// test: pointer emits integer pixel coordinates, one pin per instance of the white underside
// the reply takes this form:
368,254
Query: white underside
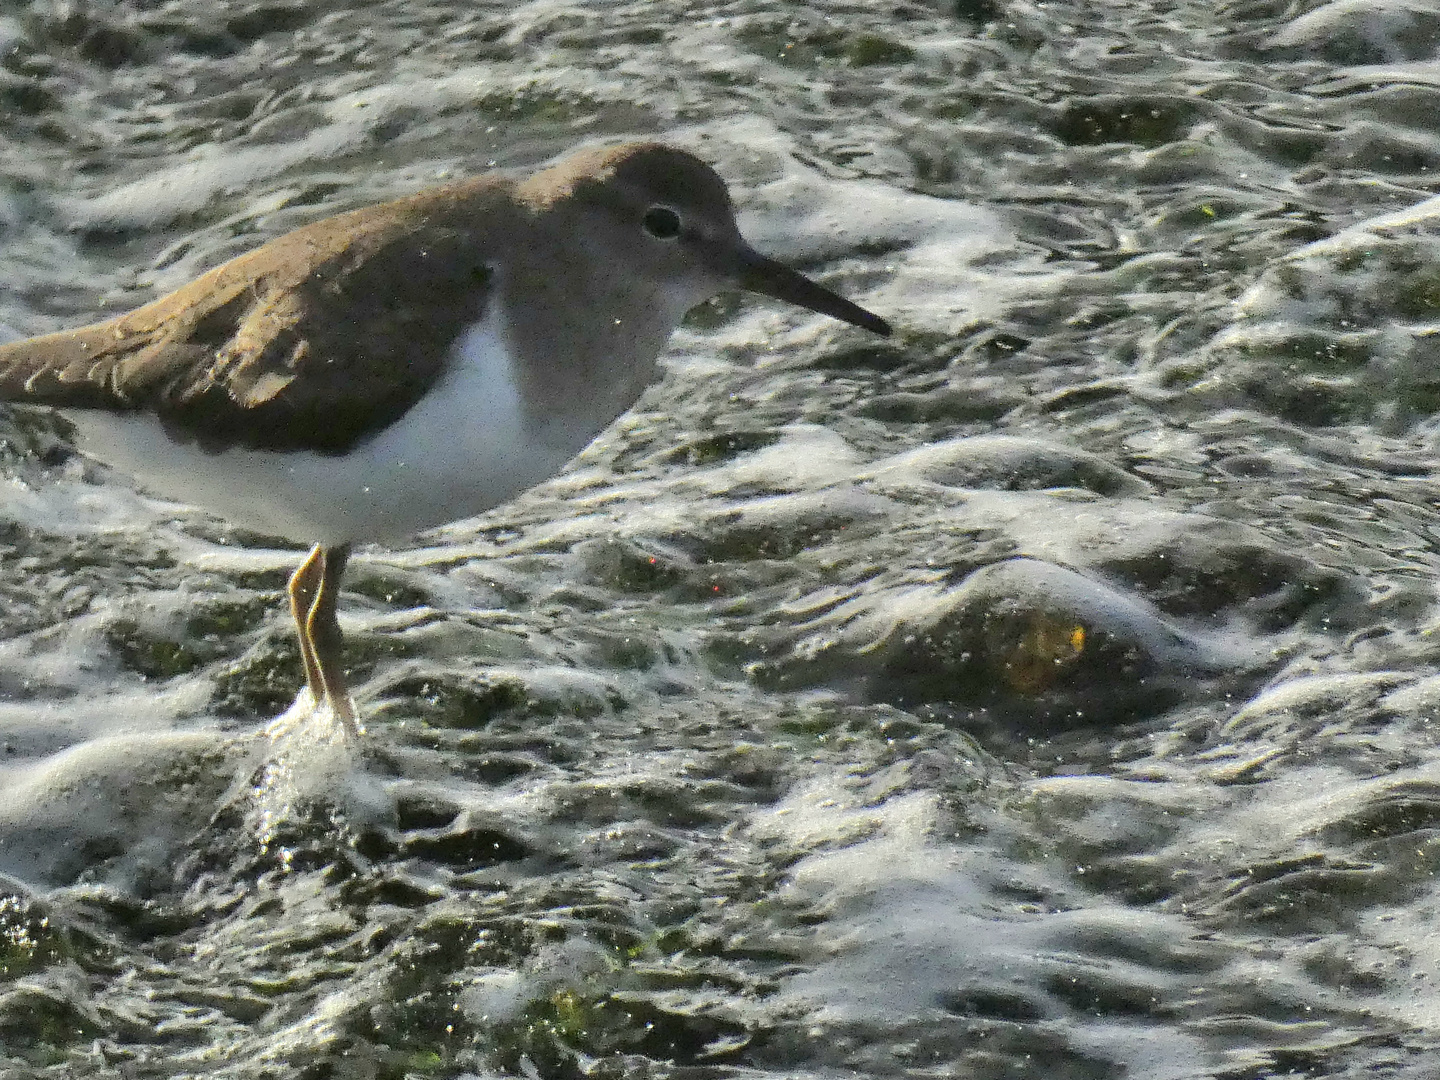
462,449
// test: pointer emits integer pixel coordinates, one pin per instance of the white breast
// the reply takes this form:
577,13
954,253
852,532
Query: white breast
463,448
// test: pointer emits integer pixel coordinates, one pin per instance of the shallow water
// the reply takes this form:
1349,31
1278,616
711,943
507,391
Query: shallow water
1045,692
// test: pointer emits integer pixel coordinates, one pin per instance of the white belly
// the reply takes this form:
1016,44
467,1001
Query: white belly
462,449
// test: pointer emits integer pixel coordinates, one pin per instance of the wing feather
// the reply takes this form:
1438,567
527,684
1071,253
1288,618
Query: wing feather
311,342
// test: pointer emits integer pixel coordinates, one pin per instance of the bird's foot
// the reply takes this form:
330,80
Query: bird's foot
344,711
319,722
300,711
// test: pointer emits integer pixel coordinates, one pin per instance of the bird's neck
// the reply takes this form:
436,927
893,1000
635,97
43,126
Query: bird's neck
585,341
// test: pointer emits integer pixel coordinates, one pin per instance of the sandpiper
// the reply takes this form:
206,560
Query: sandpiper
404,365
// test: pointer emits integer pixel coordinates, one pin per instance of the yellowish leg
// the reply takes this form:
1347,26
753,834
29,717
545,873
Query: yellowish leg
304,585
326,642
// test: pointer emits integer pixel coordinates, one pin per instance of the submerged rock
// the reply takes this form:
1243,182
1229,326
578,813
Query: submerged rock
1033,639
1025,632
113,807
1010,463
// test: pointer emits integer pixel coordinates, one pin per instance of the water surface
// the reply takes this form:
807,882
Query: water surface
1045,692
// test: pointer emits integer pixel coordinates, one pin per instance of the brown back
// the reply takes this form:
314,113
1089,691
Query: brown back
310,341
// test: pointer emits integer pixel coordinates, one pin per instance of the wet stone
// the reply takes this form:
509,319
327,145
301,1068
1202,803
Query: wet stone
468,847
1010,463
1022,629
1037,639
465,703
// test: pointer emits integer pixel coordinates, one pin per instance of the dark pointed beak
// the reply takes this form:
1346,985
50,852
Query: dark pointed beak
758,274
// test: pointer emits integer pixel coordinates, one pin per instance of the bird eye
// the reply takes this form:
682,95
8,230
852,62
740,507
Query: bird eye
662,223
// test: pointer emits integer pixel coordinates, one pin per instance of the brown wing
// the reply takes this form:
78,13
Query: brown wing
310,342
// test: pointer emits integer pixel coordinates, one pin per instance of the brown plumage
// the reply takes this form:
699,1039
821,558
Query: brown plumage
253,352
396,367
333,331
